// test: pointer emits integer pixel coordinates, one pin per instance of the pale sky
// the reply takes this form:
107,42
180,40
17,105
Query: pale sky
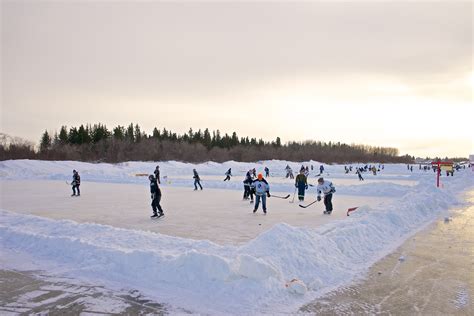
382,73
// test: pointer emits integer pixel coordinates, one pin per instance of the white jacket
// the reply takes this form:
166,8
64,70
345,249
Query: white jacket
326,188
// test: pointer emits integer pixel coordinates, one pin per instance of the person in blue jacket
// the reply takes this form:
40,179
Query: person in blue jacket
262,191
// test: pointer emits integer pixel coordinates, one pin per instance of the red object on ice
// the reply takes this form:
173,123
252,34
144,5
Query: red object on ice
438,164
352,209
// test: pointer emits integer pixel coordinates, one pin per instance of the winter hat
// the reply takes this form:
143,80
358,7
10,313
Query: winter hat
260,176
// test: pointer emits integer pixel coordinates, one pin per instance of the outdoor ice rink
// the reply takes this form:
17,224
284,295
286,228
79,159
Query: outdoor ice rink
210,253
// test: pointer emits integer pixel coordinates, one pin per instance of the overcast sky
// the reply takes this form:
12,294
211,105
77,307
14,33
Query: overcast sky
395,74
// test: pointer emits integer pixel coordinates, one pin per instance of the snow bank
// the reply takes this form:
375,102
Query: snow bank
179,174
252,278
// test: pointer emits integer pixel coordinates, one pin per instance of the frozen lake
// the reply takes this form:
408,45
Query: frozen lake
210,254
214,214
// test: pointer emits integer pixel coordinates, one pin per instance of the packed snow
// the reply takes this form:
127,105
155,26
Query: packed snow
291,258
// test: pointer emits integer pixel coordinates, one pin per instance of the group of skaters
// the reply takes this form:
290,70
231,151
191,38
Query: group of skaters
305,169
367,168
254,184
449,171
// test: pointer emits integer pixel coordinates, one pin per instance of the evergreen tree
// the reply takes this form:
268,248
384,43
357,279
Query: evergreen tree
63,137
119,132
45,143
234,140
99,132
165,134
83,135
129,133
278,142
73,136
156,133
207,140
138,134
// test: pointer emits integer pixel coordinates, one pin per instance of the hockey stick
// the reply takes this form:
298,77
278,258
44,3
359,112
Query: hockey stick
305,206
293,199
281,197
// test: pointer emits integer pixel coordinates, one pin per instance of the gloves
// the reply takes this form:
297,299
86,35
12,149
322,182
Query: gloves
153,196
318,198
306,187
268,194
333,190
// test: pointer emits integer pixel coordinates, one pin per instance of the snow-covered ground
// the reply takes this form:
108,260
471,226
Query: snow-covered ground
210,254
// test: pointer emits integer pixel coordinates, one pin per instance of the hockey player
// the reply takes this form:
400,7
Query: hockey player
289,172
359,174
228,174
321,169
301,183
267,172
76,182
197,180
262,191
155,197
248,192
157,174
325,187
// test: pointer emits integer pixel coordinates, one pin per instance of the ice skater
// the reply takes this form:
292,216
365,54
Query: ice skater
248,192
197,180
262,191
267,172
76,182
301,183
155,197
289,172
228,174
157,174
326,187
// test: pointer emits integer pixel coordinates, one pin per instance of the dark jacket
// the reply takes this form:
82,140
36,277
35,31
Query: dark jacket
301,180
76,179
157,175
154,188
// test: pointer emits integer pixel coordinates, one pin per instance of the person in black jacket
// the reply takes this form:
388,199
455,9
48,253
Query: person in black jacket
155,197
248,192
76,182
157,174
228,174
197,180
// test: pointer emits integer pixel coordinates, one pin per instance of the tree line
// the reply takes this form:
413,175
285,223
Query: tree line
130,143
